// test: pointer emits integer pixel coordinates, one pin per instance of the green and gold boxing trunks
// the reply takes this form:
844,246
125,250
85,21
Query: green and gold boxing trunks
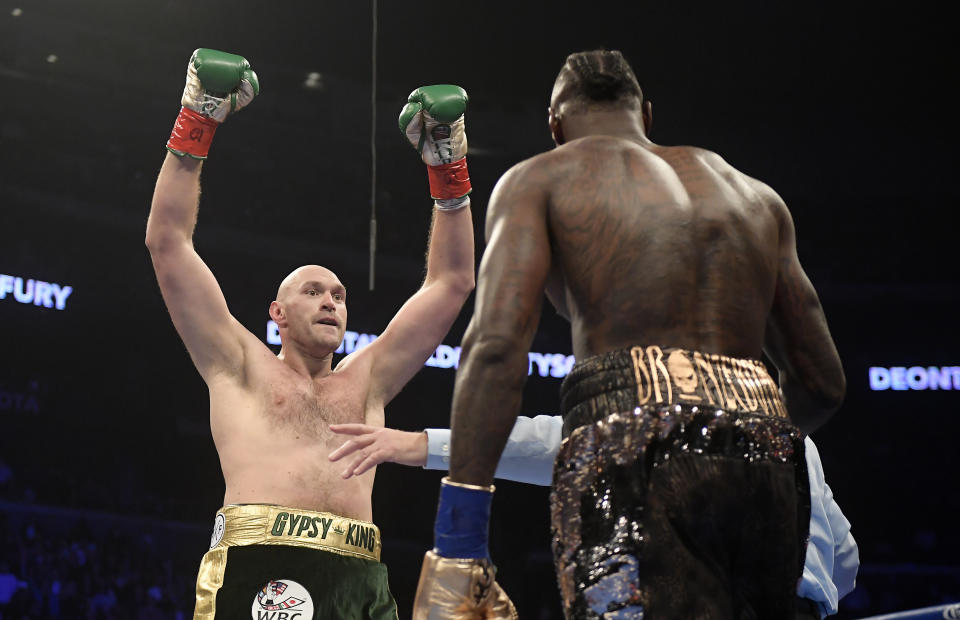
274,563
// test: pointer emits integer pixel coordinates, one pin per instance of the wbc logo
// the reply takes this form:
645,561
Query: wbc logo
219,527
282,599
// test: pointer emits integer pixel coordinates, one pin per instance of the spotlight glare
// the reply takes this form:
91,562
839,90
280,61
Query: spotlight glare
314,81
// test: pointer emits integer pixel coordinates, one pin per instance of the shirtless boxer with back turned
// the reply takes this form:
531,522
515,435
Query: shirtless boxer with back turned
680,489
293,535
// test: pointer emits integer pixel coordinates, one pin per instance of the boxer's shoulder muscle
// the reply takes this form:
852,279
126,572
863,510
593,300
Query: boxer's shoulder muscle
618,207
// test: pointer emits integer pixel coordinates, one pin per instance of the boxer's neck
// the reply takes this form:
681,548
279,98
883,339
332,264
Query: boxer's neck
305,363
620,123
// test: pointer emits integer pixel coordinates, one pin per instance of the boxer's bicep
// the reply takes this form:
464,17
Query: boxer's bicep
797,337
413,335
421,325
190,291
509,297
198,309
516,263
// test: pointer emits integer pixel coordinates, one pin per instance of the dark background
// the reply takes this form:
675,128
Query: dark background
846,109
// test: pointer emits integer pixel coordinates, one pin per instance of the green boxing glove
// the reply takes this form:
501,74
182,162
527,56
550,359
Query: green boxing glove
432,122
218,83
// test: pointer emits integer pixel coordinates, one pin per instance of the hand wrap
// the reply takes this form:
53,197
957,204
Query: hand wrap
192,134
218,84
463,520
458,580
433,123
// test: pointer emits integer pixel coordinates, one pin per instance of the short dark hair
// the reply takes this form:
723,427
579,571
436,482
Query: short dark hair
598,77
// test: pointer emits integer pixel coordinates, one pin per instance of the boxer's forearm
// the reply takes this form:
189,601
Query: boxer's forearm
173,212
486,402
450,256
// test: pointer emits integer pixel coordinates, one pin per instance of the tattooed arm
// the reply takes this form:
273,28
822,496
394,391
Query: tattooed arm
510,289
798,340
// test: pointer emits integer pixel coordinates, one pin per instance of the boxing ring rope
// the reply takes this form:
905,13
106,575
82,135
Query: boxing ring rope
373,146
951,611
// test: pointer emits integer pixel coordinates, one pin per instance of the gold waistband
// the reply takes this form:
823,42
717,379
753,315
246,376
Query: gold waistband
670,375
265,524
644,376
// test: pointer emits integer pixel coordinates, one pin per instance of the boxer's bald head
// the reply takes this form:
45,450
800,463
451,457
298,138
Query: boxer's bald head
300,274
311,309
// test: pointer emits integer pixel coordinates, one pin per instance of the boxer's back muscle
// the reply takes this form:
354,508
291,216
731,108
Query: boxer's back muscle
661,245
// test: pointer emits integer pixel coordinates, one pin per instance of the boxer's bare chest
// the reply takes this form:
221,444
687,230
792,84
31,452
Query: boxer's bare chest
291,403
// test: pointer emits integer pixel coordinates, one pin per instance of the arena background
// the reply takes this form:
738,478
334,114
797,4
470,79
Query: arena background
108,475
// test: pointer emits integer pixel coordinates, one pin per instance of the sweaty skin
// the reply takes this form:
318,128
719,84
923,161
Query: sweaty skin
269,414
634,243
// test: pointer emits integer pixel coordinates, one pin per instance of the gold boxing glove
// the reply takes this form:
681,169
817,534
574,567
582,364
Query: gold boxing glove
460,589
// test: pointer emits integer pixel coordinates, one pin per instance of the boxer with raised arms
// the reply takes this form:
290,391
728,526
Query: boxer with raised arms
293,537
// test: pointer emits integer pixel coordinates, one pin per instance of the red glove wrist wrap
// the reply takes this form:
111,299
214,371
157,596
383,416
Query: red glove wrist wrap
449,180
192,134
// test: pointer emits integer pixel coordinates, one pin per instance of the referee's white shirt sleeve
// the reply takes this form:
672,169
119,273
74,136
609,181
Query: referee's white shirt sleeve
527,457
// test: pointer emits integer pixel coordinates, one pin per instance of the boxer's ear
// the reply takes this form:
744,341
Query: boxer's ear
276,313
556,129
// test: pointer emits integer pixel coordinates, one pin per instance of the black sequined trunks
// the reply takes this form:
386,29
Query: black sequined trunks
680,490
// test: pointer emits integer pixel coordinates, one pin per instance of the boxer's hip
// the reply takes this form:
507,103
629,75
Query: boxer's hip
649,376
265,558
668,448
267,524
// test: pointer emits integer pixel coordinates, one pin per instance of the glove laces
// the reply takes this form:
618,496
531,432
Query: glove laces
442,147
